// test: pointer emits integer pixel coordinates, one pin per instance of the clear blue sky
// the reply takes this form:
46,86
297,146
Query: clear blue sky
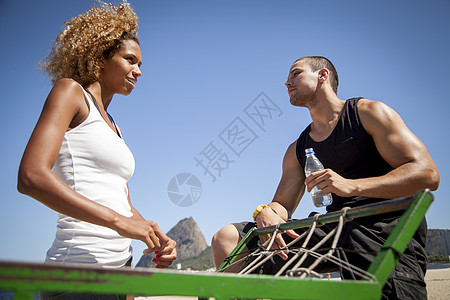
205,64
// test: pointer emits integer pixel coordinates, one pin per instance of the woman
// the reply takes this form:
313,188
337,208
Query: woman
76,161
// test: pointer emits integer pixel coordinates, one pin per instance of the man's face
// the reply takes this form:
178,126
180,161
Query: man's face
301,83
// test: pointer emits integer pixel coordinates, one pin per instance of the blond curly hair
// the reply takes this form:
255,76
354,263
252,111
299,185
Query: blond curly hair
87,39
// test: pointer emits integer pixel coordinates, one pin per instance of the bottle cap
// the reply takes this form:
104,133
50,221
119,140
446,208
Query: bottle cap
309,151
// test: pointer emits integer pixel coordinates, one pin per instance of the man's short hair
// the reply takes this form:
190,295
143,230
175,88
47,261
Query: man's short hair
319,62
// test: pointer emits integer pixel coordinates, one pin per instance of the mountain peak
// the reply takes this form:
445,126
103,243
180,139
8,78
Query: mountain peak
189,238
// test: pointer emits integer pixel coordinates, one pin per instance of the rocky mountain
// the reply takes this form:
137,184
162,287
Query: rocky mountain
203,261
438,242
191,247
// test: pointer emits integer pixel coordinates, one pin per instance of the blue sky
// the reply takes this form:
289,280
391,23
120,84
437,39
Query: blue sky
206,66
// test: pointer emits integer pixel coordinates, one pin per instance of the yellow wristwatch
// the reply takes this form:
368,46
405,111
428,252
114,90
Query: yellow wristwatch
258,210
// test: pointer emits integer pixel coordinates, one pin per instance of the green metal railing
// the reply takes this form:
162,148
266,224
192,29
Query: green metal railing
27,278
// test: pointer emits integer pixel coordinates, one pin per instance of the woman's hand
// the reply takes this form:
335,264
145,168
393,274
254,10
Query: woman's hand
146,231
165,257
150,233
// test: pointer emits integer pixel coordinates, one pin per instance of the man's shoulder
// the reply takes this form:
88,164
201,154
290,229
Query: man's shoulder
368,104
372,107
375,114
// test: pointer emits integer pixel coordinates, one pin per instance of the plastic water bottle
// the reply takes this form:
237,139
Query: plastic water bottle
313,164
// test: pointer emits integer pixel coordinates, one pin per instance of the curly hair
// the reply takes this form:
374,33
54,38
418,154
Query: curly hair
87,39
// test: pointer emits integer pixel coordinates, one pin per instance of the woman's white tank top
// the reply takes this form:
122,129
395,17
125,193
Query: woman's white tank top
96,163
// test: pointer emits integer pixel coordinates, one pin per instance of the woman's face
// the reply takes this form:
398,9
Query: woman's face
119,73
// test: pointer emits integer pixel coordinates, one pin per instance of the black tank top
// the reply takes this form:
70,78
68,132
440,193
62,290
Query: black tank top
349,151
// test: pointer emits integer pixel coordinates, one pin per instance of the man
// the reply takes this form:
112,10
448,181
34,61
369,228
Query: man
369,155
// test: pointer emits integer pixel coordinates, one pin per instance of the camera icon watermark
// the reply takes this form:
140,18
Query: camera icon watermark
184,189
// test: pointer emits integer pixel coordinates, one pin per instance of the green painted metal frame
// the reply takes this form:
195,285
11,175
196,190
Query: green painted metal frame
26,278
